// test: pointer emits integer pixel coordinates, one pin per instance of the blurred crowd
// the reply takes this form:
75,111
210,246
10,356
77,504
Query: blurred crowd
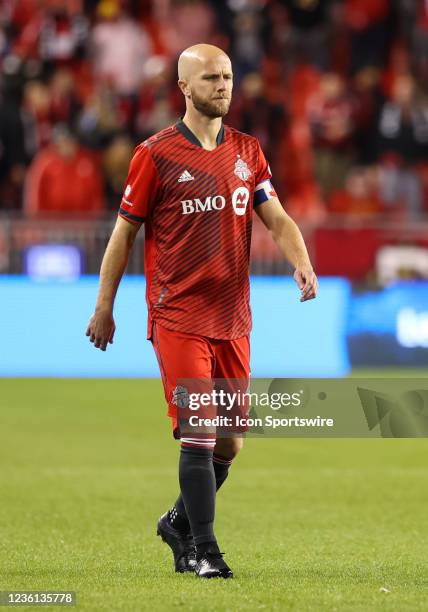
336,92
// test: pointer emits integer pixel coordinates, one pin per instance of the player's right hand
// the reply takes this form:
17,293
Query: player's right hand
101,328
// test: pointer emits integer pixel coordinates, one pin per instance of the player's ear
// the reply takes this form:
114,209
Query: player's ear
185,88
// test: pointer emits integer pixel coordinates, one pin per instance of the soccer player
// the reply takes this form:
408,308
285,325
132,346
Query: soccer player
194,185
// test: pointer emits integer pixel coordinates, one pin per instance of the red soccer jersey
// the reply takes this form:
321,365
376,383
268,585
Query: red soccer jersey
197,206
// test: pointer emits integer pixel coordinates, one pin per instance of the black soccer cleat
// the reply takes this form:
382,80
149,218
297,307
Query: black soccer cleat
211,565
181,544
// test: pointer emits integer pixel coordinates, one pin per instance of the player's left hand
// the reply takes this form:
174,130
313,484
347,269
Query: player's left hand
307,282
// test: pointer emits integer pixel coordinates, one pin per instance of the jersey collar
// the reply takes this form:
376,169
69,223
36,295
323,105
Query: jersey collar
187,133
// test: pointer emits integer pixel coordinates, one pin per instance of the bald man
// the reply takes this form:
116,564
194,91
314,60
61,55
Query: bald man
194,185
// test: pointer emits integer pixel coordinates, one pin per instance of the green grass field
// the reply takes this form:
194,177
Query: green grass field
87,466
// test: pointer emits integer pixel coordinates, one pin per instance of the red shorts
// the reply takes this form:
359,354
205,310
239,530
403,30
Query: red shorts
187,356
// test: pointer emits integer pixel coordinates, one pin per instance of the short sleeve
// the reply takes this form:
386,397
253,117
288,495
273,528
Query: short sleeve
142,187
263,186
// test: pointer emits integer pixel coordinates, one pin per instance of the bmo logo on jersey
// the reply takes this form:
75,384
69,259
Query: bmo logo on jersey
240,199
217,202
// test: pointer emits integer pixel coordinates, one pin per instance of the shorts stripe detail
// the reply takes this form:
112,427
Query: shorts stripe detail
199,440
197,443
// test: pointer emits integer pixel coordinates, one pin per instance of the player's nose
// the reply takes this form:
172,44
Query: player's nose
221,84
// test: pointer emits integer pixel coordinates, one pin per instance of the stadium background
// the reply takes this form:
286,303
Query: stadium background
336,92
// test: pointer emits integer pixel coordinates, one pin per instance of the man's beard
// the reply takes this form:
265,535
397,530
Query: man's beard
211,108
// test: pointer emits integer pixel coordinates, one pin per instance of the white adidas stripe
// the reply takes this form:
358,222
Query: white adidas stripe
197,442
199,439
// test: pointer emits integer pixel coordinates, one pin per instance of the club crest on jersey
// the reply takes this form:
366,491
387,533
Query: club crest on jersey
240,199
242,171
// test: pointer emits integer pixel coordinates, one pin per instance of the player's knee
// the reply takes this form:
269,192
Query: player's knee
228,447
